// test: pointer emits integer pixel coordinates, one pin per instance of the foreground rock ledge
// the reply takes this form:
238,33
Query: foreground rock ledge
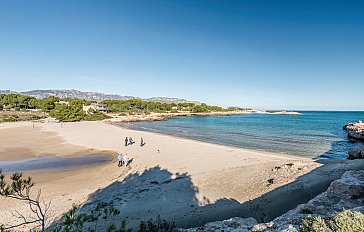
344,193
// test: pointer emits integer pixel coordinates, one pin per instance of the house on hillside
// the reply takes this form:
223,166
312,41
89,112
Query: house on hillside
95,106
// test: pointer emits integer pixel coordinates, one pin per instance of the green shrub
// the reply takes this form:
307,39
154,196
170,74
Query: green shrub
100,218
157,226
345,221
314,224
348,221
95,116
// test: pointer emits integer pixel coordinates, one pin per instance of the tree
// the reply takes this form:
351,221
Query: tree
68,113
100,218
19,189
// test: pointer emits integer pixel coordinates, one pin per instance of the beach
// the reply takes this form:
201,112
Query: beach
187,181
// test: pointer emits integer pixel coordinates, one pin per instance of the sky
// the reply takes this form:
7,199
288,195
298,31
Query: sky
290,54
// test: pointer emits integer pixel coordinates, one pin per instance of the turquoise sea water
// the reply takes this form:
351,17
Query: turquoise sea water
314,133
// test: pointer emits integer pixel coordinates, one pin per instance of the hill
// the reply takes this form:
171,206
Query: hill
92,96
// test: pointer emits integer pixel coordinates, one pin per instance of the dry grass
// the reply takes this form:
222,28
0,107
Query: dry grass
15,116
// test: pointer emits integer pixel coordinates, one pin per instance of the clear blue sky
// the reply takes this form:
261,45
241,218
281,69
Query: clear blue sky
289,54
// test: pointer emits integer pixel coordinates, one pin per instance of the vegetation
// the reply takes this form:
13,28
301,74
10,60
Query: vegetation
98,219
103,217
19,189
70,110
17,107
17,102
158,225
20,116
345,221
67,113
138,106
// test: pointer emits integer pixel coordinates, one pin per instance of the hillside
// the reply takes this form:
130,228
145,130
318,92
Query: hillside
92,96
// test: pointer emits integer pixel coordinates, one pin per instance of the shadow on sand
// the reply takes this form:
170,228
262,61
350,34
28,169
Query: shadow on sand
157,191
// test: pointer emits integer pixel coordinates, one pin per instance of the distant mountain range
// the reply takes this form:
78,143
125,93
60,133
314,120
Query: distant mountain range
92,96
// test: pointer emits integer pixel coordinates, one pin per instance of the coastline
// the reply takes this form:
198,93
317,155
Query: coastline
118,118
124,125
193,176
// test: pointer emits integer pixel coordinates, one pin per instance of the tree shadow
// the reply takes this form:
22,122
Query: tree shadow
173,196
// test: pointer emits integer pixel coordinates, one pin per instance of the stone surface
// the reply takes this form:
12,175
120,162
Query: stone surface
356,154
231,225
355,130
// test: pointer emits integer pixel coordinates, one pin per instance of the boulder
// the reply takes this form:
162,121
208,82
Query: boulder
356,154
355,130
235,224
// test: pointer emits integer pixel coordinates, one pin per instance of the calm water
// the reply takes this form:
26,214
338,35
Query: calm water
44,163
315,133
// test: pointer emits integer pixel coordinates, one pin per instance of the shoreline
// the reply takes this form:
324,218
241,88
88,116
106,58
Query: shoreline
118,117
213,143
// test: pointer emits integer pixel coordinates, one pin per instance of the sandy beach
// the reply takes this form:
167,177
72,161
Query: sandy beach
188,181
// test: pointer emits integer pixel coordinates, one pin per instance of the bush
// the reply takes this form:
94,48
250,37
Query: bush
348,221
68,113
95,116
345,221
99,218
157,226
314,224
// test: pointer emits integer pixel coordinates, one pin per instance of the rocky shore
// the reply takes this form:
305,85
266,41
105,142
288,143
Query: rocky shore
344,193
356,154
116,118
355,130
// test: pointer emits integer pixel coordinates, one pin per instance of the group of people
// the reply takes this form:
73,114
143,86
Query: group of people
130,141
123,159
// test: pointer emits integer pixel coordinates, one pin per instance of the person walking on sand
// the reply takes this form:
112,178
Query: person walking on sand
130,141
126,141
120,159
141,141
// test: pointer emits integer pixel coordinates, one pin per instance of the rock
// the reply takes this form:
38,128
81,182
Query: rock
356,154
231,225
355,130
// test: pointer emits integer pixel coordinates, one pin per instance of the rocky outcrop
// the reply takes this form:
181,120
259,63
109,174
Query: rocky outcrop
356,154
355,130
233,224
344,193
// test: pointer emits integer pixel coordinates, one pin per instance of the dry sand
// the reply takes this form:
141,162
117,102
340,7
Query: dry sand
190,182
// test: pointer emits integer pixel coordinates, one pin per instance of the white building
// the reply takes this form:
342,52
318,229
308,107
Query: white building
95,106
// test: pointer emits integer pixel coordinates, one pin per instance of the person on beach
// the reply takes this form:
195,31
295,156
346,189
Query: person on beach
131,141
141,141
126,141
120,159
127,161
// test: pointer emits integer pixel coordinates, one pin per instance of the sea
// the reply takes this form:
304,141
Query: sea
317,134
